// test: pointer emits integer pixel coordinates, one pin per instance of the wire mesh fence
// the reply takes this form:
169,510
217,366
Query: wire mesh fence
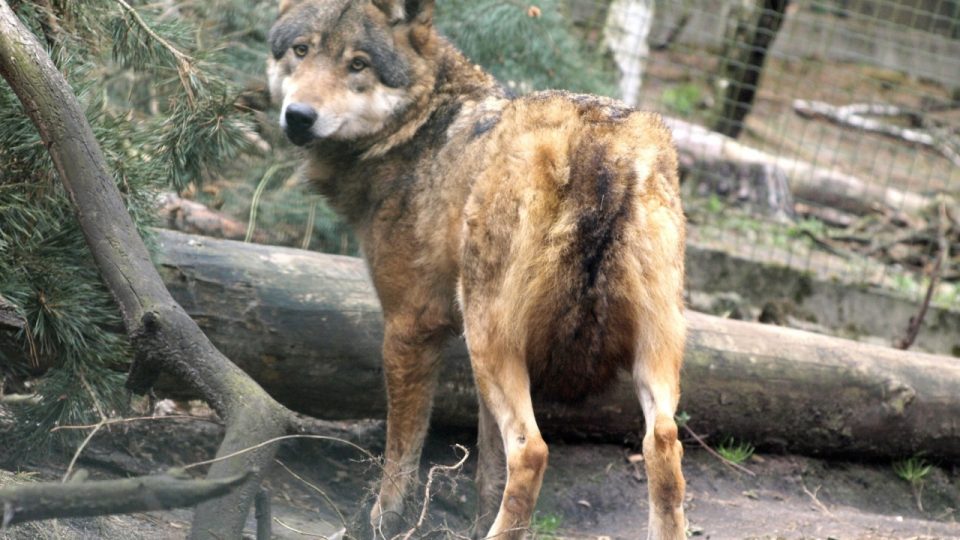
821,134
842,100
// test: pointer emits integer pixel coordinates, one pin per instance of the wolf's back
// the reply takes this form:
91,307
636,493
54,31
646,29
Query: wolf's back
579,202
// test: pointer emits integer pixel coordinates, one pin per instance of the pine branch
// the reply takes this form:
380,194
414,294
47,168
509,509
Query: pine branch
184,62
163,335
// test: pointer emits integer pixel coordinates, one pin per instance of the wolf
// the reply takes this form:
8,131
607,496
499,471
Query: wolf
547,229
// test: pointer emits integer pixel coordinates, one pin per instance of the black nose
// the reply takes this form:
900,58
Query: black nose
300,118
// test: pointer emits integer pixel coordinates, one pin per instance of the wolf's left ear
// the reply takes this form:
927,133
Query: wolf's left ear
409,11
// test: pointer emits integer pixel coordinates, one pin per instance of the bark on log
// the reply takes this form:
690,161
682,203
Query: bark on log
308,327
702,150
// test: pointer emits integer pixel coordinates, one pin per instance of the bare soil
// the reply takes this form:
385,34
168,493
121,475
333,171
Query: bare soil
591,489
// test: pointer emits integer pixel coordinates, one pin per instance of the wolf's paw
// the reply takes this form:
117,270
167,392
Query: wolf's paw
385,524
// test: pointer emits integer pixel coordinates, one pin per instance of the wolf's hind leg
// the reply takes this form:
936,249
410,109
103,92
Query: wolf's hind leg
491,471
410,364
504,386
657,376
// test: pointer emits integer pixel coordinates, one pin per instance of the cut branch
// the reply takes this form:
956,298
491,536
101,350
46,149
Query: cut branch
165,338
916,322
51,500
856,116
192,217
702,150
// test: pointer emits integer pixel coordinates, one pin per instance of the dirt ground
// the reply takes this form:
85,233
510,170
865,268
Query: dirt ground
591,490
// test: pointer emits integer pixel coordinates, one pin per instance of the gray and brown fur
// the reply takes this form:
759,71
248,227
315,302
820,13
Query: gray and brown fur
546,228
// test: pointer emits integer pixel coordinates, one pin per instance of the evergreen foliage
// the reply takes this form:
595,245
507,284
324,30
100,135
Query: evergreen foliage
163,115
526,48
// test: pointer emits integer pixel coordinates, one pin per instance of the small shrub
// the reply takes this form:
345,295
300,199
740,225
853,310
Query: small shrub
913,470
546,525
682,99
734,452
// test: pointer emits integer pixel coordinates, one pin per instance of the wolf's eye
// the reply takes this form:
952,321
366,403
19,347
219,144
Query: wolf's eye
358,64
300,50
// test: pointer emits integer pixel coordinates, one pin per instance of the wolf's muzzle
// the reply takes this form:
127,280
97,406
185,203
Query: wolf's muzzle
299,119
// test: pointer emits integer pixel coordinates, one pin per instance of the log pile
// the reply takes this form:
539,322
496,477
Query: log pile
912,243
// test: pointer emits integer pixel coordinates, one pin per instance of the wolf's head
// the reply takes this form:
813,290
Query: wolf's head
345,69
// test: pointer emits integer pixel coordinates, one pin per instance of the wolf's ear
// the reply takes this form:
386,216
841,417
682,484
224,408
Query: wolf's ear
409,11
287,4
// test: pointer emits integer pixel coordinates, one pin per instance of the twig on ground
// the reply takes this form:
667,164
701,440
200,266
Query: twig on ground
264,514
714,453
856,115
343,520
103,421
913,329
268,442
51,500
113,421
336,536
813,497
918,494
426,492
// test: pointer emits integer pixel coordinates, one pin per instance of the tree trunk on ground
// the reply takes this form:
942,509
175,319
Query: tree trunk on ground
755,25
308,327
163,335
703,152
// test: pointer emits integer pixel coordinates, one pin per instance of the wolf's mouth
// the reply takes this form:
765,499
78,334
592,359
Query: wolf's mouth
298,137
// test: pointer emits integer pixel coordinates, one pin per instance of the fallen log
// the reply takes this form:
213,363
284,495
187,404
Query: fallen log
308,327
702,151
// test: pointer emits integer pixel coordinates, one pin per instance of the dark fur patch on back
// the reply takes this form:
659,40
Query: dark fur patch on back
587,335
484,125
433,133
597,225
393,70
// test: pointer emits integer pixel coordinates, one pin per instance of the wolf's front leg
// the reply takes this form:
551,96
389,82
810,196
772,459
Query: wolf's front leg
410,360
